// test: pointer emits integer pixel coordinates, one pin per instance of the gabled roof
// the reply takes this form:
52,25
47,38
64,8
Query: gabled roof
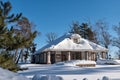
65,43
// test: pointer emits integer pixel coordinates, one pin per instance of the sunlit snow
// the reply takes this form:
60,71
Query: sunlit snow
71,72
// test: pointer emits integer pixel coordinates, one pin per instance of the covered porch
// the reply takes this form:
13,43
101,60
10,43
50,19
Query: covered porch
51,57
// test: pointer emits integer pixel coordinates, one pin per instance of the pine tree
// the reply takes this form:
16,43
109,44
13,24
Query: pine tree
84,30
75,28
6,18
13,38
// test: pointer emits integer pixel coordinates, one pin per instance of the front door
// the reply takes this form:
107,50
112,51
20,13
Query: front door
52,58
64,56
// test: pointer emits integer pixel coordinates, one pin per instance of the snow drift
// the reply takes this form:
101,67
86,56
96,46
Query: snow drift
54,77
106,61
75,62
47,77
8,75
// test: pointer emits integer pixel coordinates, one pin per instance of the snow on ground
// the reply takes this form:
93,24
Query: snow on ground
108,61
66,70
70,72
8,75
75,62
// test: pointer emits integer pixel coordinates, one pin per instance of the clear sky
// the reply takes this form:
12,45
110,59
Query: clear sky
57,15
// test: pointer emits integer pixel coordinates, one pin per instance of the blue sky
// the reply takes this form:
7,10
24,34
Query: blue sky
57,15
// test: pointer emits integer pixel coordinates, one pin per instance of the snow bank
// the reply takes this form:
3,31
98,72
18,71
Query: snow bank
101,61
75,62
7,75
54,77
71,65
63,64
105,78
46,77
105,61
26,65
72,72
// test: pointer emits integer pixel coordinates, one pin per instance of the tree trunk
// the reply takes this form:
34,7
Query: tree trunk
16,54
19,56
107,52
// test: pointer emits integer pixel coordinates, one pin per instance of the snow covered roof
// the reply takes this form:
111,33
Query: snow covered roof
66,43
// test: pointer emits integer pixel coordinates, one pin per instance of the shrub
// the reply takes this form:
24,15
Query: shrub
6,62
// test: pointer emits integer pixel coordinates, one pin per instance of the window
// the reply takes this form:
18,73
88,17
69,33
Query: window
75,40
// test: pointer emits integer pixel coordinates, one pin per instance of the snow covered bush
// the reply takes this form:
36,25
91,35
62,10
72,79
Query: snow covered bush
46,77
37,77
105,78
85,79
74,79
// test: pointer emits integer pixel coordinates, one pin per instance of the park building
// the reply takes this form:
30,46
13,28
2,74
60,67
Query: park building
69,47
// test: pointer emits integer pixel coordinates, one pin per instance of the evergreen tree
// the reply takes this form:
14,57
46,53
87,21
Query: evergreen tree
75,28
6,18
84,30
6,36
17,37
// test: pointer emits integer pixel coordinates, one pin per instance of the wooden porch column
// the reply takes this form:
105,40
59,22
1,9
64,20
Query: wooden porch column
48,58
44,59
83,55
102,55
94,56
69,57
89,55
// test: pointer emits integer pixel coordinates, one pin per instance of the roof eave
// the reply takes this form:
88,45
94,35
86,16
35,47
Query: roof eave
47,50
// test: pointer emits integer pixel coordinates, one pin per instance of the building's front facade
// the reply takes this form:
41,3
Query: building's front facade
69,47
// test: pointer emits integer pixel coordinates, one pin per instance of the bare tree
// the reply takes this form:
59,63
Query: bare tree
103,35
118,54
51,37
116,40
24,36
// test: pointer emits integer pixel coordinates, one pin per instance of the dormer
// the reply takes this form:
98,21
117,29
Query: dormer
75,38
